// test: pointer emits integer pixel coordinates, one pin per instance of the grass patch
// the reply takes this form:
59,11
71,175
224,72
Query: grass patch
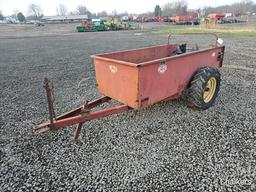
223,31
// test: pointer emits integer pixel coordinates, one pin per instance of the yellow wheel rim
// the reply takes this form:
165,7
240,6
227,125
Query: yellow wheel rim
210,89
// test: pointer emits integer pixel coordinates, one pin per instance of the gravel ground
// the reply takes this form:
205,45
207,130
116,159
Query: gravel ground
165,147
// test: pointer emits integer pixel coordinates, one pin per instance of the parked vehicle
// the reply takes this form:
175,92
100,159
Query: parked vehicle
231,20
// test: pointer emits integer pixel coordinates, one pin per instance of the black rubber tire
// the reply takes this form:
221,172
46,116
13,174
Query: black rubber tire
197,87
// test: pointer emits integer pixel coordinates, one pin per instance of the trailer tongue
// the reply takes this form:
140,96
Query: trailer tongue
77,116
141,77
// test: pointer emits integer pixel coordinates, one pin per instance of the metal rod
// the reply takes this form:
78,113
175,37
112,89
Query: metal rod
212,34
77,131
77,116
49,99
87,117
78,110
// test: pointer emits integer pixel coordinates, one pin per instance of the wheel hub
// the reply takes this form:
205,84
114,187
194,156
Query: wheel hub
210,89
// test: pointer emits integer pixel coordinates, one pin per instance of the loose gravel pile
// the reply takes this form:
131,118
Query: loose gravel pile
165,147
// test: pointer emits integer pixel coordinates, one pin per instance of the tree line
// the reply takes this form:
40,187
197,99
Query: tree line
35,12
236,9
179,7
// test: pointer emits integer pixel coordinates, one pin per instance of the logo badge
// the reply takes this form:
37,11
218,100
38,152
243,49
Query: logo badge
113,68
162,68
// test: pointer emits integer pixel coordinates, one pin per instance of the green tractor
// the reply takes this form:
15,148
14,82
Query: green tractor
91,25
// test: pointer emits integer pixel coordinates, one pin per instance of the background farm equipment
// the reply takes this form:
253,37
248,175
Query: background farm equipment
85,26
142,77
182,20
186,20
113,24
91,25
104,24
217,17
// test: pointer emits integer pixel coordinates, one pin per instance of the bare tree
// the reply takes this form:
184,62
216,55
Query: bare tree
102,14
15,12
168,10
82,10
181,7
175,8
72,13
199,13
35,10
235,8
114,13
147,14
125,13
61,10
1,16
254,8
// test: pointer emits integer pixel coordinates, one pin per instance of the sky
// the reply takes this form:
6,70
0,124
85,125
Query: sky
7,7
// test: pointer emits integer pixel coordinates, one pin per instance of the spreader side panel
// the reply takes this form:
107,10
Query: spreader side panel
117,81
167,78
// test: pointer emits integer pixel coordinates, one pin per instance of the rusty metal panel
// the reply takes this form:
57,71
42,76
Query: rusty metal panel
168,77
157,77
140,55
117,73
117,81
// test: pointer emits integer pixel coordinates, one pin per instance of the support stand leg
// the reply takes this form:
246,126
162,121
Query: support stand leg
77,131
